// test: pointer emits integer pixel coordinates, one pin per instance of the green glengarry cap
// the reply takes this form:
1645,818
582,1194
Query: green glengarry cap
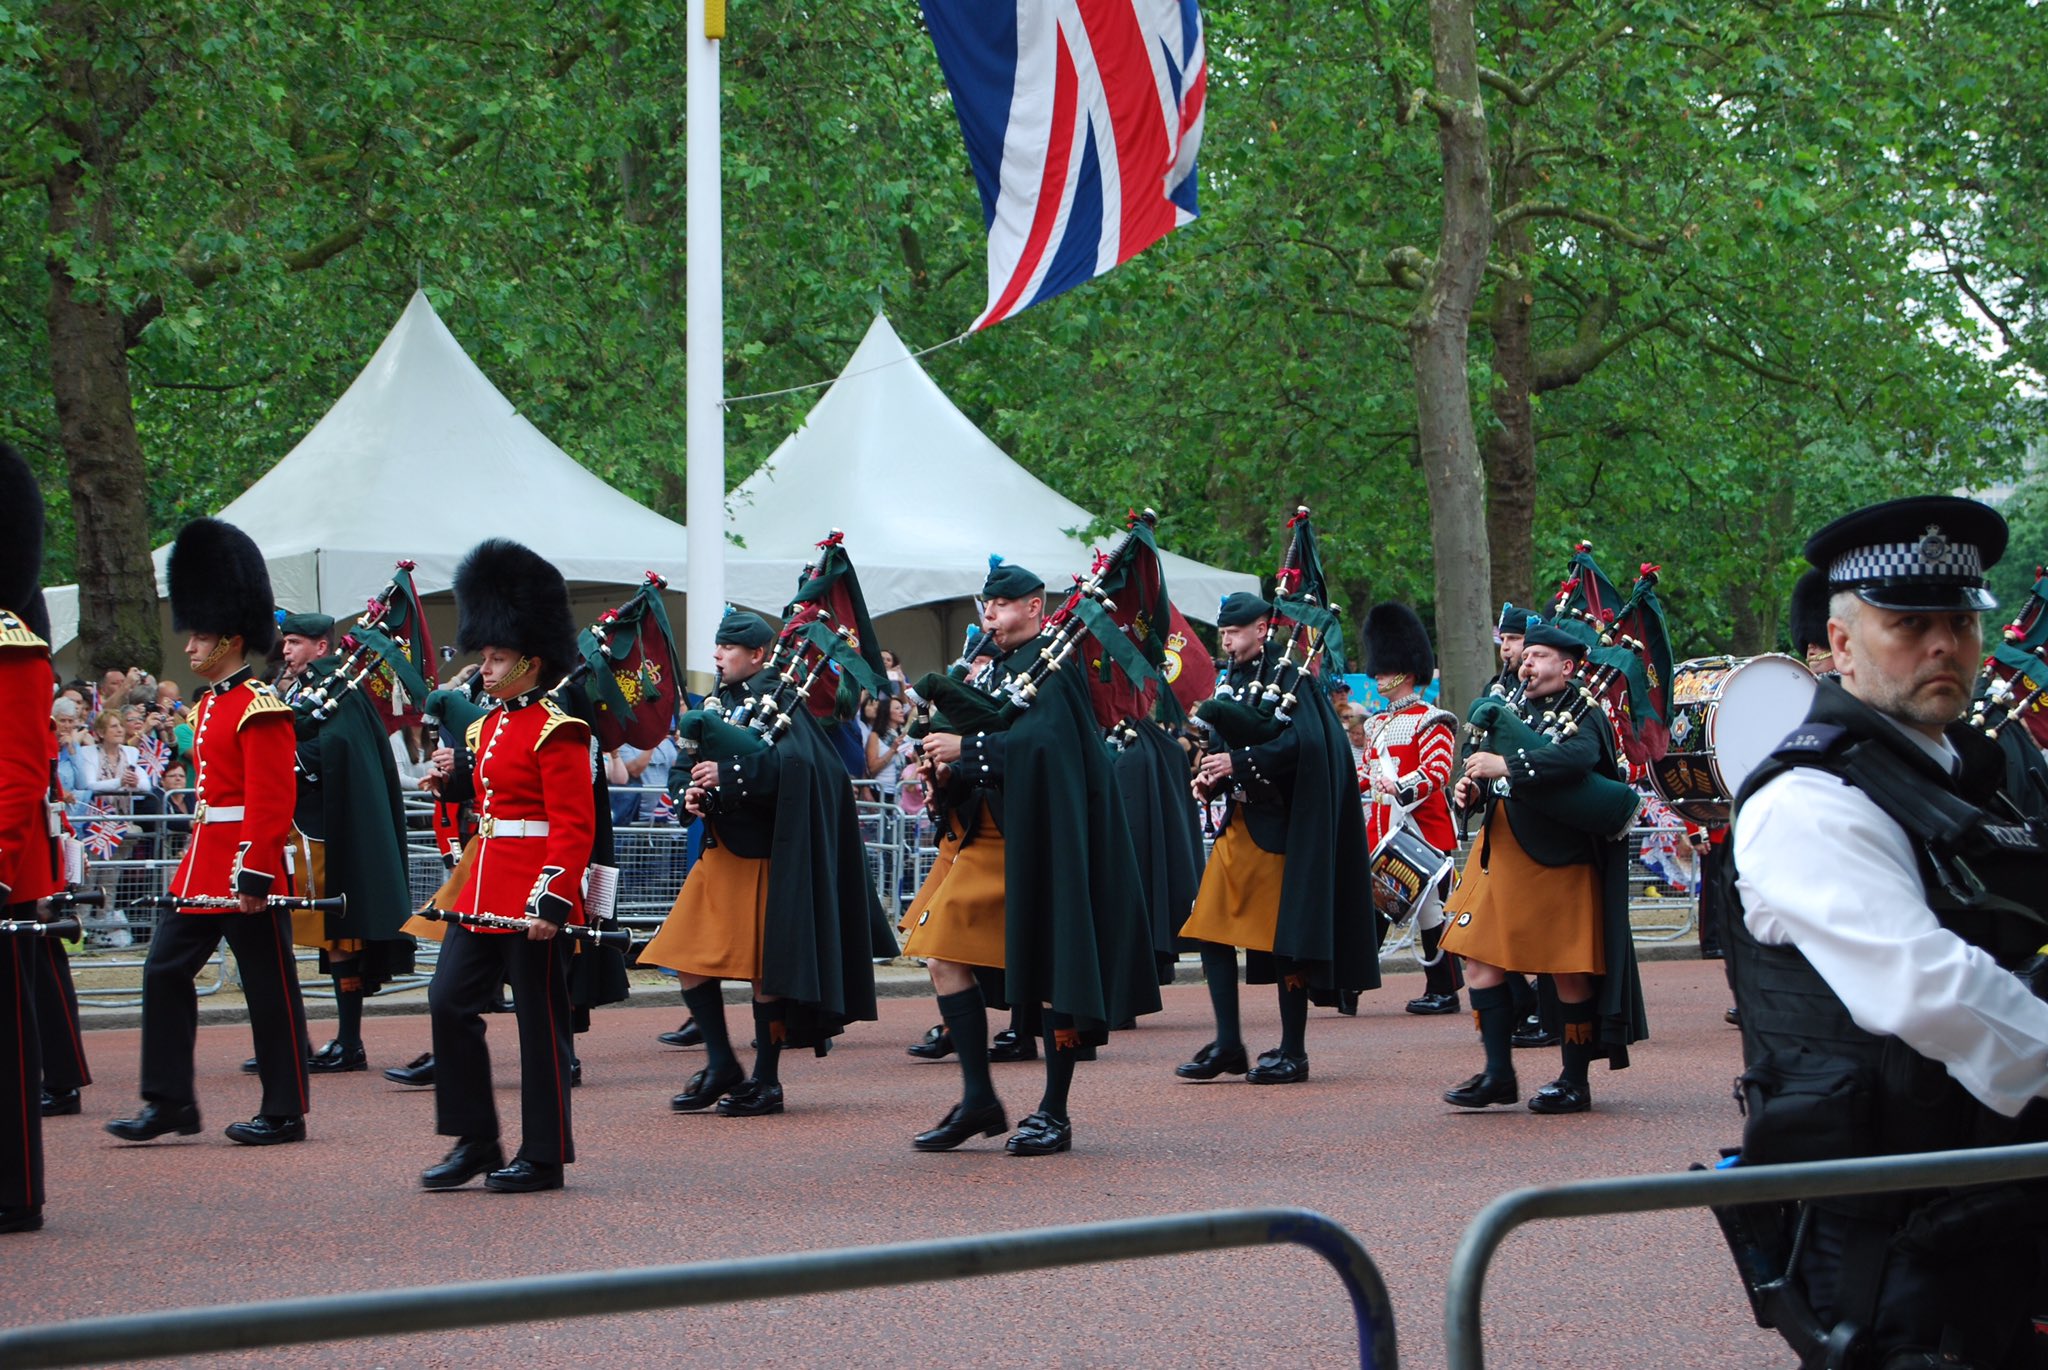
1006,580
1543,634
742,629
1240,609
305,625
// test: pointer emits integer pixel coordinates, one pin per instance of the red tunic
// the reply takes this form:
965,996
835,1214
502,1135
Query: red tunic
1420,741
243,750
27,742
532,766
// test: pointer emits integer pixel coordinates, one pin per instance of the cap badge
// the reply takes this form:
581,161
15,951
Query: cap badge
1933,546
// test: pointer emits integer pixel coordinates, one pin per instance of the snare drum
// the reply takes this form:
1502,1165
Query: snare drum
1727,714
1404,869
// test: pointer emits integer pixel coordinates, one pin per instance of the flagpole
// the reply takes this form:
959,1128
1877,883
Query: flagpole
703,351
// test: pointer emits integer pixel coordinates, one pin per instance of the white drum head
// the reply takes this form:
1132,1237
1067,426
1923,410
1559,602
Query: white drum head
1761,702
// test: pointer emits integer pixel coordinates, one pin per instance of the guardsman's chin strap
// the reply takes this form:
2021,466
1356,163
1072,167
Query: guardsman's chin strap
231,643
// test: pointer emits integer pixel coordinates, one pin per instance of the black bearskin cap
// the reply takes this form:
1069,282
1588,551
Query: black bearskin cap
36,614
508,595
1810,611
219,584
1396,643
21,533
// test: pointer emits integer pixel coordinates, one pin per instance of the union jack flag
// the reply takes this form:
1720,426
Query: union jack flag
104,833
155,754
1082,119
665,809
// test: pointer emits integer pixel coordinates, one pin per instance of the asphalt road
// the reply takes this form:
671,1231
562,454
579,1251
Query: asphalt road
1366,1140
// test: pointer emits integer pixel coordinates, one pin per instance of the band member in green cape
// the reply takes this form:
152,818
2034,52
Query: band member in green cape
1036,882
1288,879
781,897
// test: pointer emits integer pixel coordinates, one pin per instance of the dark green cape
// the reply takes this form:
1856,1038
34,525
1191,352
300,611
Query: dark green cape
1153,776
355,809
1618,995
1327,927
1076,924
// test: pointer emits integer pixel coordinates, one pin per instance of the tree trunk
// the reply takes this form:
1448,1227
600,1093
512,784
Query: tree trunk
1511,448
117,613
1439,333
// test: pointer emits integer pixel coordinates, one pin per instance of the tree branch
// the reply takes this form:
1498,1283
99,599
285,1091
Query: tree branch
1529,94
1680,329
1538,209
1363,316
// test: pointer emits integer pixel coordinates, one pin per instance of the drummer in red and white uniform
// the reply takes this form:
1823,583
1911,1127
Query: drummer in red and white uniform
532,769
243,750
1409,753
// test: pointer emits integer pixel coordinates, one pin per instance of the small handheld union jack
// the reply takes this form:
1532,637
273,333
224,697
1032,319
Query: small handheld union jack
104,833
155,755
665,809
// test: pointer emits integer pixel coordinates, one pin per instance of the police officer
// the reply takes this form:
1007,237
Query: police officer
1887,890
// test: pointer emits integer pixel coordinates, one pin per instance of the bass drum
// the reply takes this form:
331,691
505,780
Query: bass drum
1727,714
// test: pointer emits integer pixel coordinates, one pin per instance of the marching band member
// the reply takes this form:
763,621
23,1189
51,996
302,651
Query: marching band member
1288,878
536,820
242,746
28,868
1409,752
1541,895
801,919
1035,884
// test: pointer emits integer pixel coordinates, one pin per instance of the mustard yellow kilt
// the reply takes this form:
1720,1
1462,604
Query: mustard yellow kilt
445,897
309,881
1518,914
1238,904
719,923
958,912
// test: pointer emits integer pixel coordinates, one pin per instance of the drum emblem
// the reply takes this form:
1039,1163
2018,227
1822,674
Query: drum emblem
1681,729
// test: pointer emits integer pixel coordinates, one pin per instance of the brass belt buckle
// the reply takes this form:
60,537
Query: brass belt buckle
199,812
486,826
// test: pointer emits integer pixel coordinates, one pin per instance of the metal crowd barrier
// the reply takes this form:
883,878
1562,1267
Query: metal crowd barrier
387,1313
1701,1189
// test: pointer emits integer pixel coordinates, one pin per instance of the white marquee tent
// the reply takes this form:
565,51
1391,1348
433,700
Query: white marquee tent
923,497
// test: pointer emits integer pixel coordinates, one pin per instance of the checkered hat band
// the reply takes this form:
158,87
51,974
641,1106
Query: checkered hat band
1958,561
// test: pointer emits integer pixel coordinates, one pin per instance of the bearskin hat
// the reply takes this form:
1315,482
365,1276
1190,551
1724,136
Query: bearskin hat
219,584
1810,611
1396,643
21,532
508,595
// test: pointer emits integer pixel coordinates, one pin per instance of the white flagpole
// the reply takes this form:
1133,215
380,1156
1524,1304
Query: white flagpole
704,349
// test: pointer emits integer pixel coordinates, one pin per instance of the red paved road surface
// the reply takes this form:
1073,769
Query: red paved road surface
1366,1141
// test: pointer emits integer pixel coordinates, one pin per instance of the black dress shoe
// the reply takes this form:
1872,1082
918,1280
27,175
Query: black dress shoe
1561,1096
1012,1046
1483,1089
688,1035
335,1059
575,1071
268,1129
1432,1004
1281,1070
24,1219
419,1071
155,1122
751,1099
1041,1134
62,1103
1212,1061
1733,1017
959,1124
525,1177
705,1089
470,1157
1347,1002
249,1066
936,1046
1531,1034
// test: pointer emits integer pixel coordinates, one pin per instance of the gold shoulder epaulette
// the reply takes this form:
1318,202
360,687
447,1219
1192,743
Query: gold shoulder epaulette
473,736
557,716
15,633
262,700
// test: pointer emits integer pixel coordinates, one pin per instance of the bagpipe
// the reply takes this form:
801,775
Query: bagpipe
2013,683
1603,805
826,638
948,704
603,937
389,652
1302,621
1628,654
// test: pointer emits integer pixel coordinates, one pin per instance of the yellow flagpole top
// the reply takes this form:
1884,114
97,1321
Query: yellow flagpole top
714,19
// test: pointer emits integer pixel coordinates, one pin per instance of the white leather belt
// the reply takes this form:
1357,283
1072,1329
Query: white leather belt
218,813
511,827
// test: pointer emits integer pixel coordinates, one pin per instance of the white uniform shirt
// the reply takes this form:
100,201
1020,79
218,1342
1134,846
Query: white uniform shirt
1821,868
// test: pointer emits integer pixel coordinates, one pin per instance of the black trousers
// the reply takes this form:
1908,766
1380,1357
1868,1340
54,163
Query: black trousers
64,1067
262,944
21,1070
473,965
